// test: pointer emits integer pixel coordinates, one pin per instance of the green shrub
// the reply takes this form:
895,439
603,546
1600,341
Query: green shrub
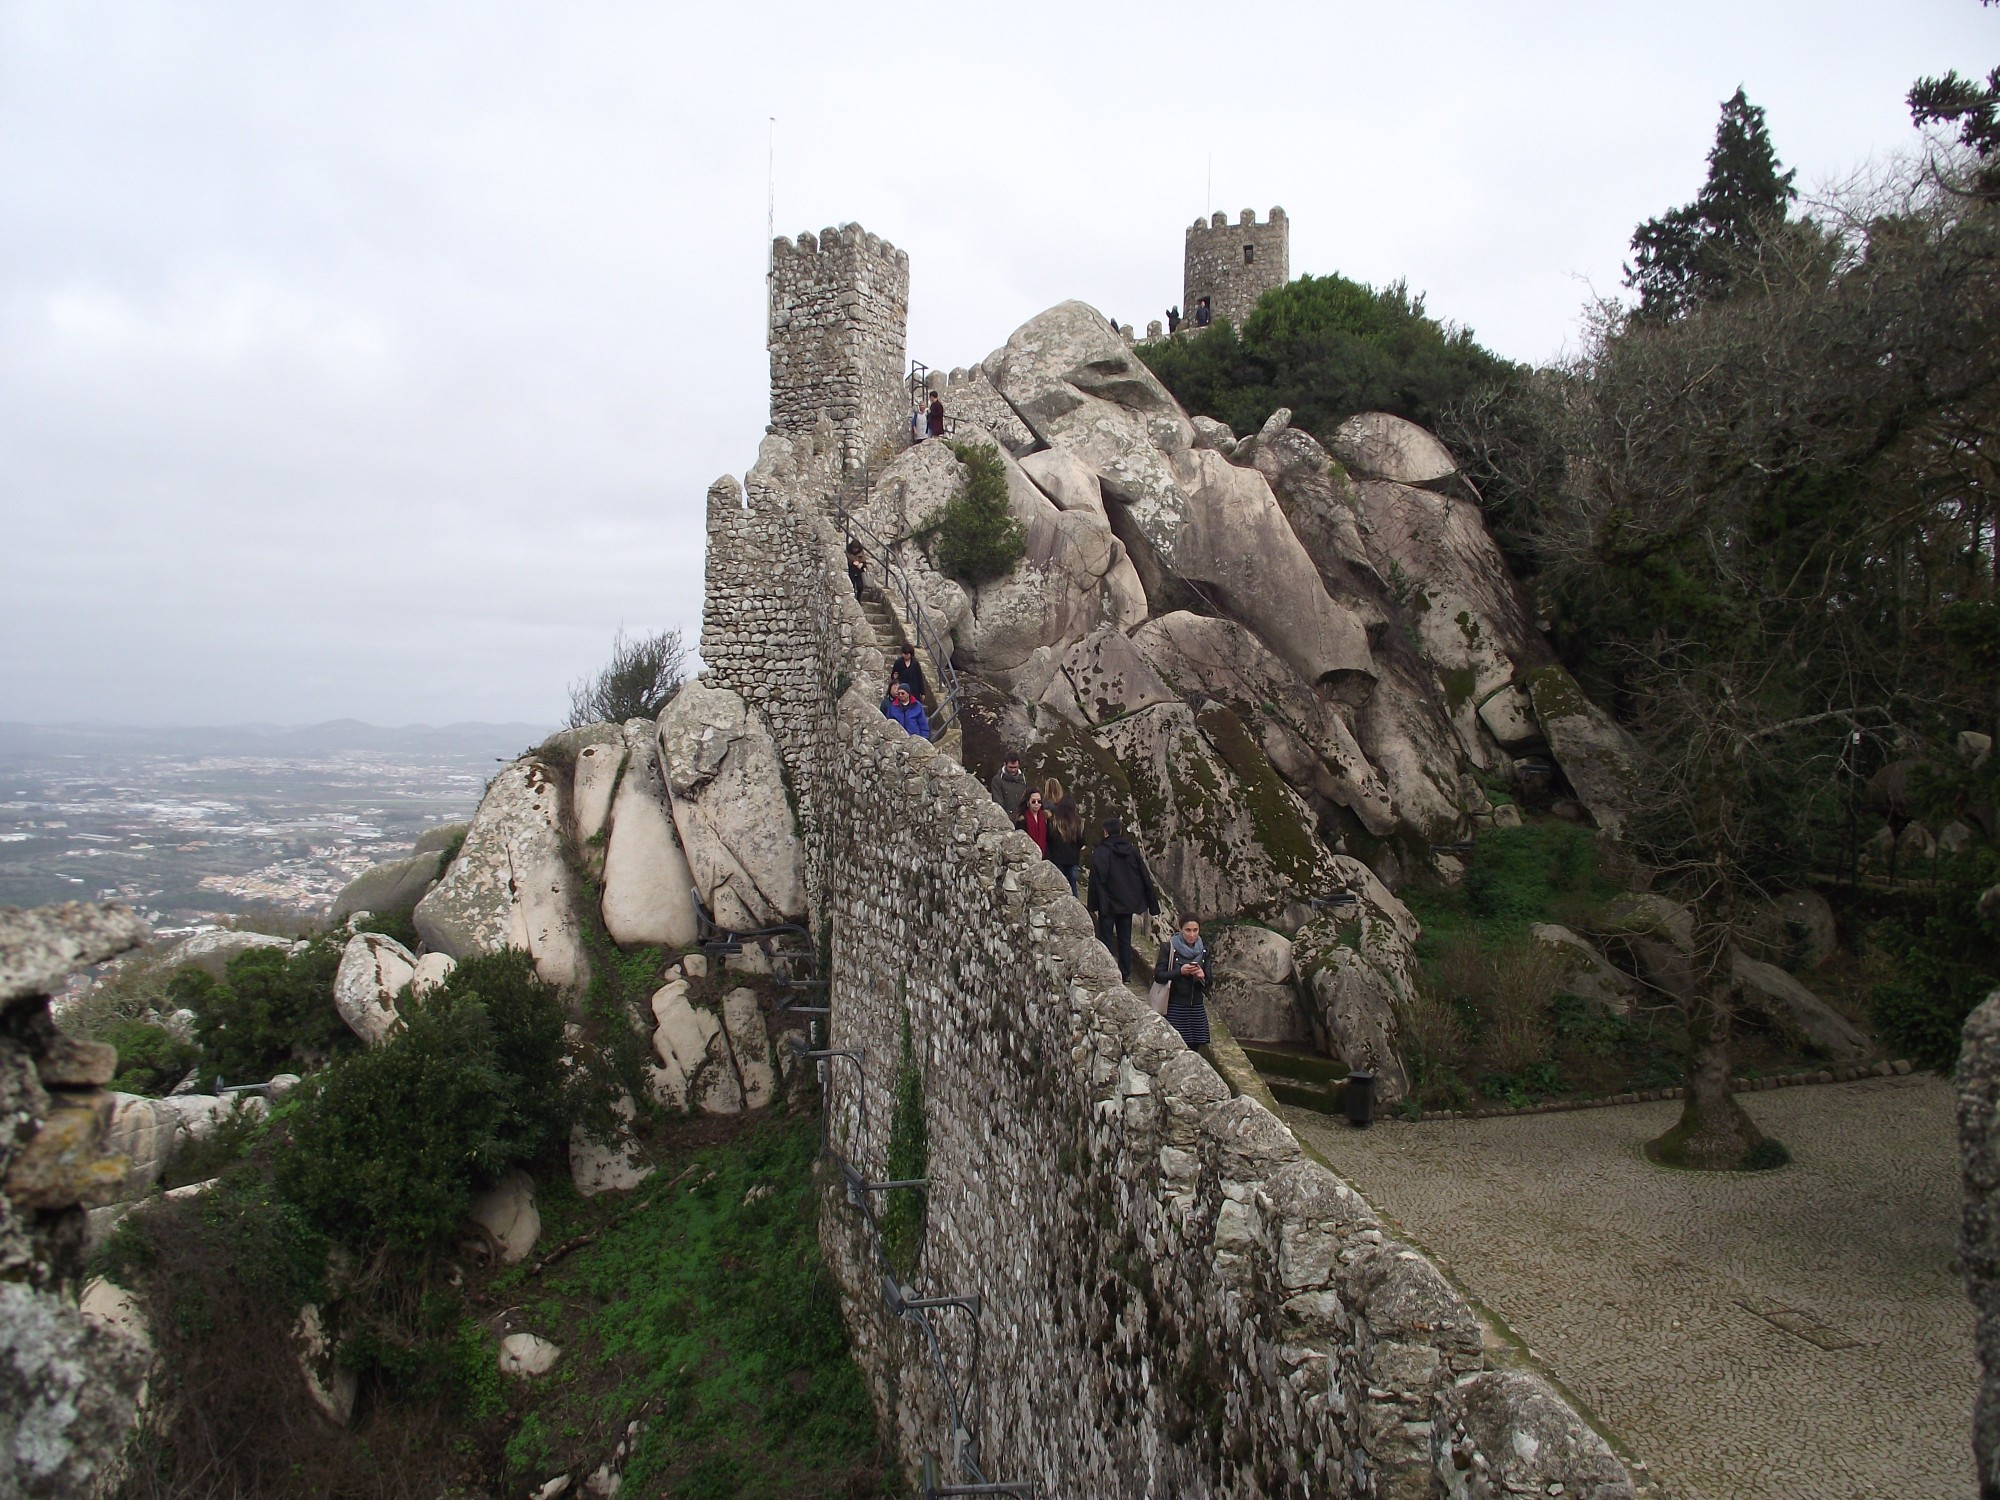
400,925
151,1059
976,538
1941,966
391,1143
1327,348
272,1012
424,1349
213,1154
526,1013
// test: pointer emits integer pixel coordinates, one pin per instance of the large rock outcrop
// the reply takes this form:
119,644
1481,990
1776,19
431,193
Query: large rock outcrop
511,885
1600,759
1197,524
374,971
1357,968
648,887
1223,832
1796,1010
1253,987
1305,736
723,776
1465,608
396,886
1375,445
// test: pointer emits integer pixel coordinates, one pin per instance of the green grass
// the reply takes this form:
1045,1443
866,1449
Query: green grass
707,1316
1515,877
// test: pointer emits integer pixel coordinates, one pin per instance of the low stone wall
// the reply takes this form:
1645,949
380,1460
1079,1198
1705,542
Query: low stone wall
1979,1232
1173,1300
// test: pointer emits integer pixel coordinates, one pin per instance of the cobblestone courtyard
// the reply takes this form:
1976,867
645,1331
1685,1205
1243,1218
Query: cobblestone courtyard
1786,1334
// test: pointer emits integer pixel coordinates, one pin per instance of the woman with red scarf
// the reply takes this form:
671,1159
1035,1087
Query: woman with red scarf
1035,821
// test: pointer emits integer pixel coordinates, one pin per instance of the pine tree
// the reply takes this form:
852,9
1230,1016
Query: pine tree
1972,106
1688,254
976,538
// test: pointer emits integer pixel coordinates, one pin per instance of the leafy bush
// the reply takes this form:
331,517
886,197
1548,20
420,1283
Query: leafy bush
526,1013
401,925
1540,872
151,1059
1939,966
271,1012
976,538
223,1277
210,1156
643,674
1327,348
390,1144
392,1141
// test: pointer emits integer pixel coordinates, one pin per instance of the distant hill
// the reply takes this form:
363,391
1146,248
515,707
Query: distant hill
333,737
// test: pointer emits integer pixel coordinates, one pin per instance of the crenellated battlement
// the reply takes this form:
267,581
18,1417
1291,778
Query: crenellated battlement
1234,264
848,239
1220,220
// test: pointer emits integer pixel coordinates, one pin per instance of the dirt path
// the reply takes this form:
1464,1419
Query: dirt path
1782,1334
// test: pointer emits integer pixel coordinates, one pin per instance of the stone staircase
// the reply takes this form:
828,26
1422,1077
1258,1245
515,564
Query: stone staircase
891,636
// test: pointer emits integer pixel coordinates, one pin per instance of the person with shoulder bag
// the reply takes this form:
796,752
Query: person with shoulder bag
1181,977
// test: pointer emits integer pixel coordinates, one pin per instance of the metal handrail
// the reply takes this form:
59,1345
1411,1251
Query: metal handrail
855,490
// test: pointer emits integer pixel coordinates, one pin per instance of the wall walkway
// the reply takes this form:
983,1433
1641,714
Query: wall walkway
1173,1300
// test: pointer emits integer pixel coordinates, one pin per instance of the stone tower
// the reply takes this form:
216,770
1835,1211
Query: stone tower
1234,264
839,314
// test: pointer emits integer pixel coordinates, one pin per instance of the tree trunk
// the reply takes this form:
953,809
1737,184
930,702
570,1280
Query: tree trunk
1713,1132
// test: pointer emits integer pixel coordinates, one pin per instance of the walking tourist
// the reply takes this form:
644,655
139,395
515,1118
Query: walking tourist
1183,970
907,670
906,711
1120,887
916,424
1035,822
934,421
1010,788
857,565
1065,842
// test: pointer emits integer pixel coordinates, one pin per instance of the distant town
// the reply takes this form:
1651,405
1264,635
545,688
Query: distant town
199,828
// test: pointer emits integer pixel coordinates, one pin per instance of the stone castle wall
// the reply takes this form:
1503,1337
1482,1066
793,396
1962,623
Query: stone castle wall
1173,1299
839,308
1235,264
1979,1231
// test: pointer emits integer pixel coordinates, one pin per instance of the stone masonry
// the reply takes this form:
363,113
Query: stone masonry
1234,264
69,1386
1174,1299
839,307
1979,1235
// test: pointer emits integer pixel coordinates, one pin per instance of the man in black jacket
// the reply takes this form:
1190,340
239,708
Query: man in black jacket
1120,886
907,670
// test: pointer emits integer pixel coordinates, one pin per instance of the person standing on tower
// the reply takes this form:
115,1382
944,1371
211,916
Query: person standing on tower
934,425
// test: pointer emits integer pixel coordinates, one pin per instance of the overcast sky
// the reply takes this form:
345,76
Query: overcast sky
373,360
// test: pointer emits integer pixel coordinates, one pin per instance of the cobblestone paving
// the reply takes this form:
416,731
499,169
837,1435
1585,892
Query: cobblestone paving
1798,1333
